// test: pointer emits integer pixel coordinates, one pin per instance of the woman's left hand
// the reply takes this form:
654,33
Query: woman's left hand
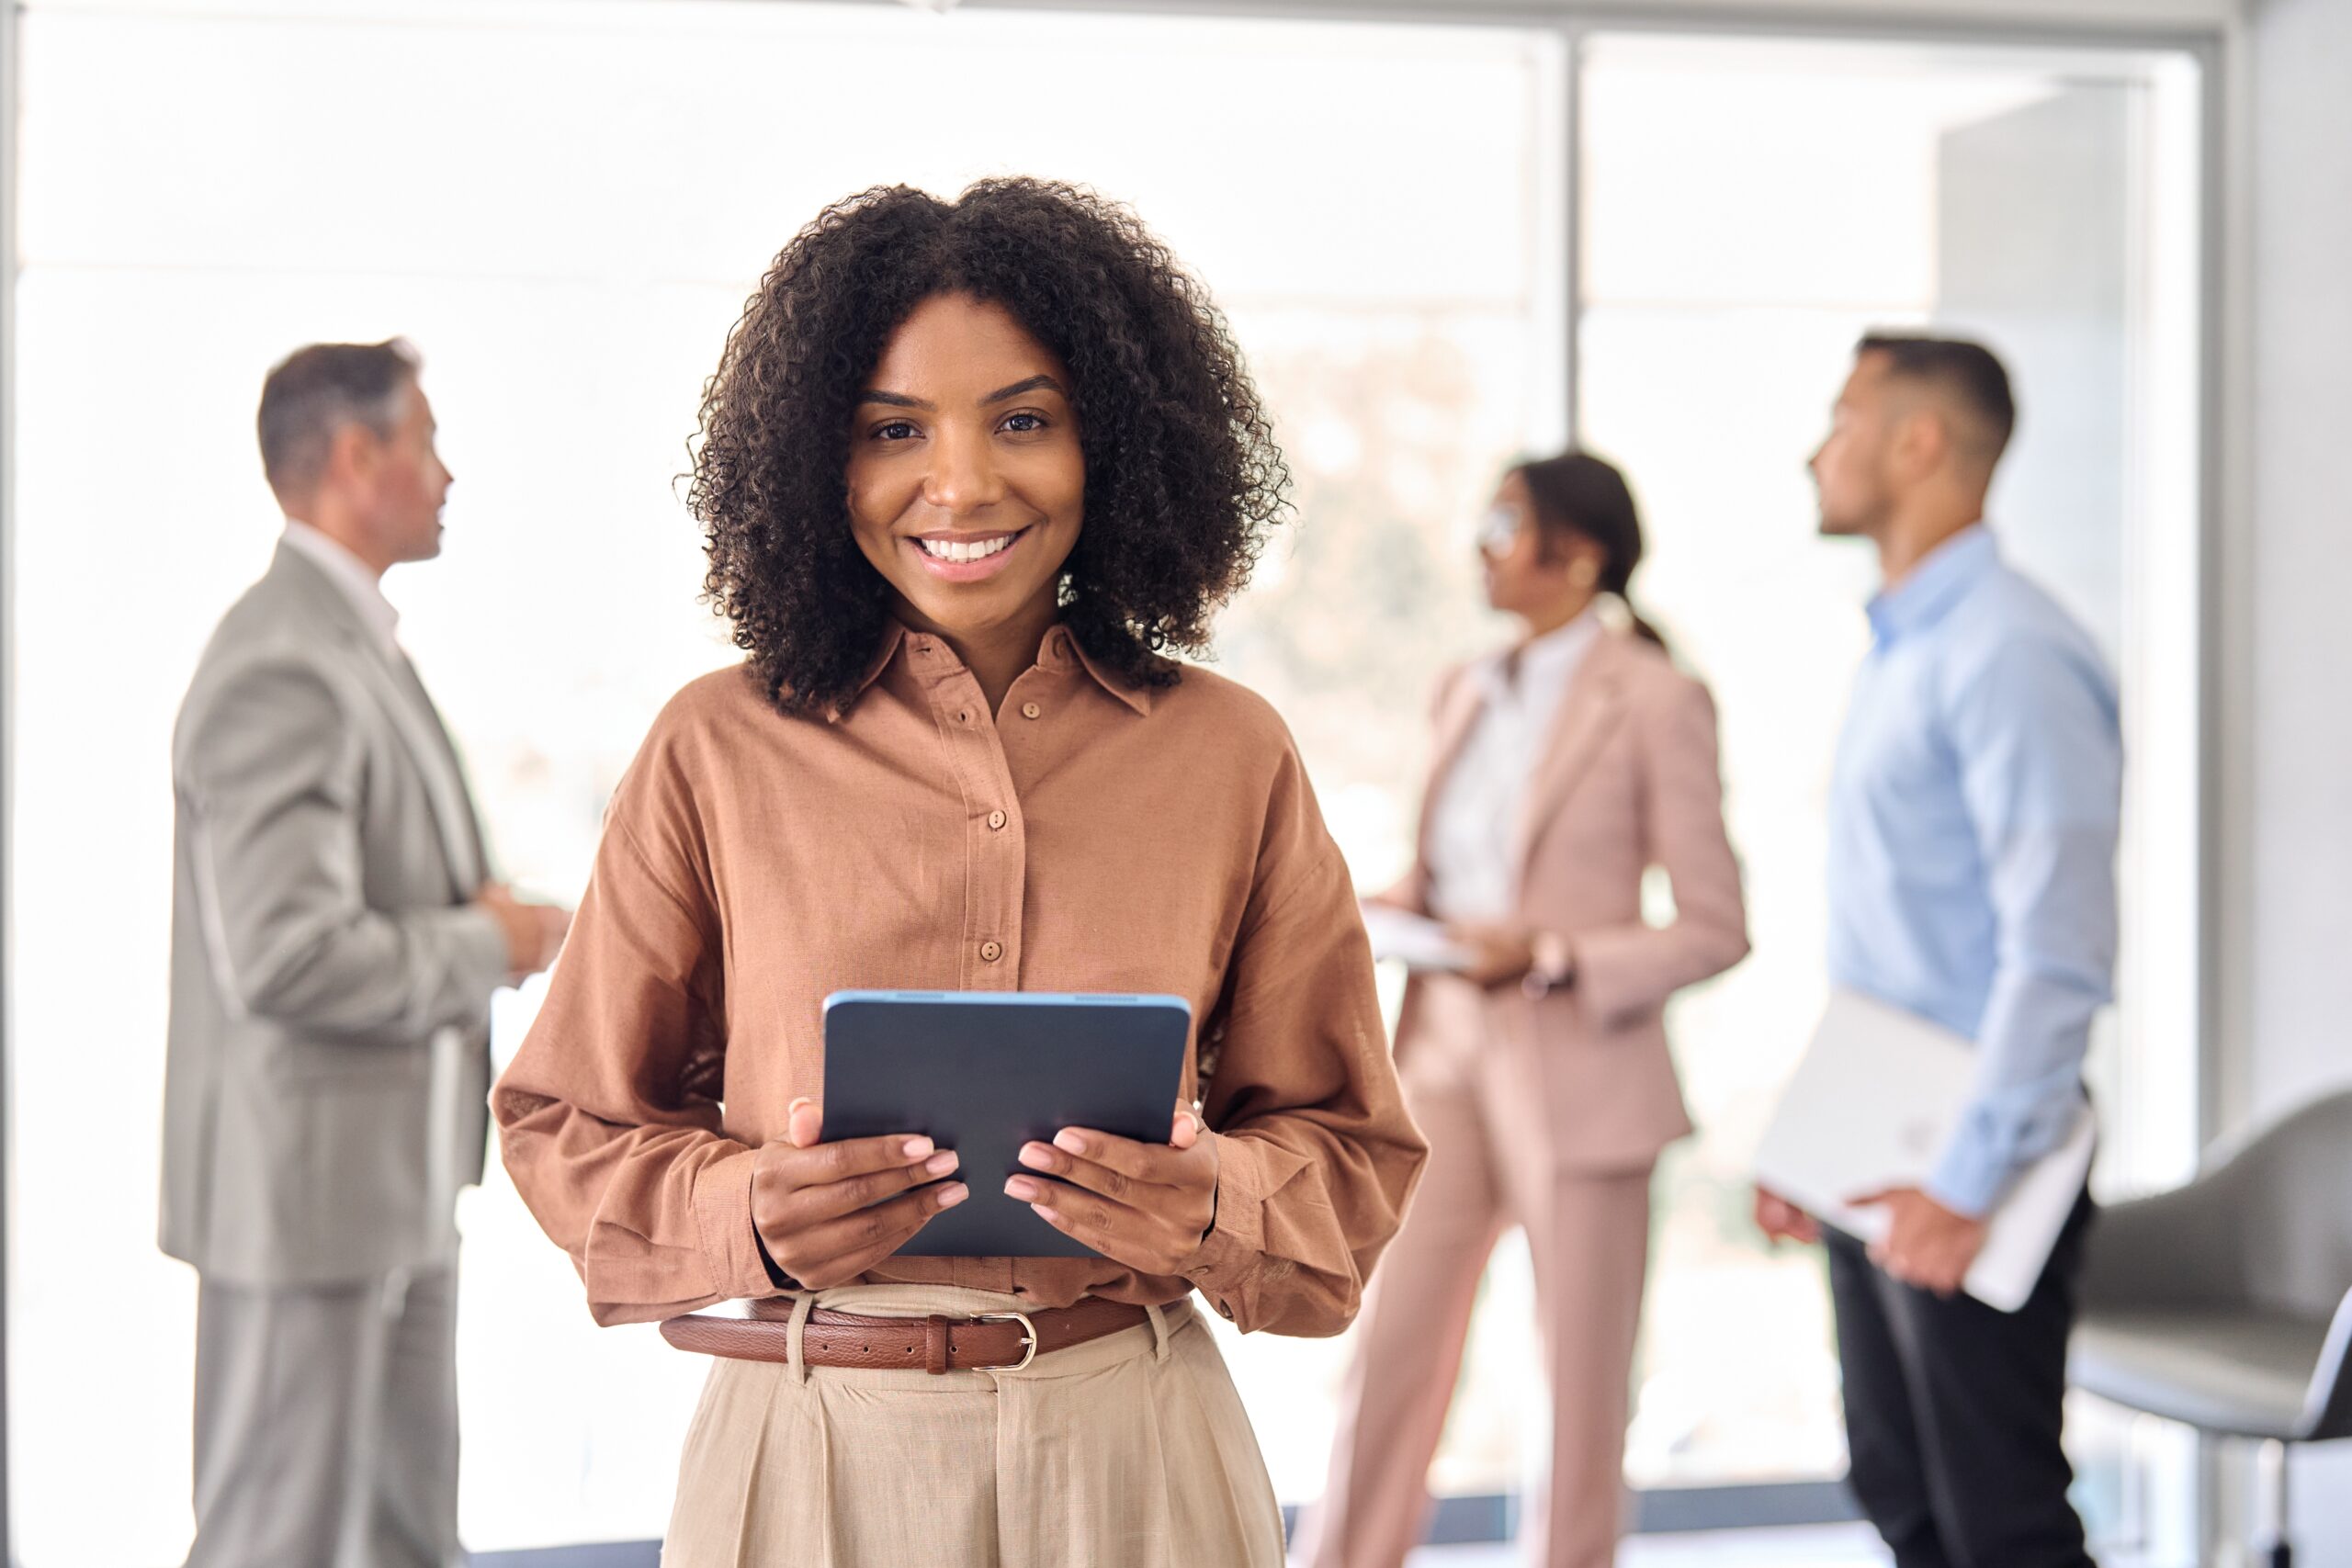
1145,1205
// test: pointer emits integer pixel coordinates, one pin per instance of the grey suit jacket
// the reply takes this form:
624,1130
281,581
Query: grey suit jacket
326,1079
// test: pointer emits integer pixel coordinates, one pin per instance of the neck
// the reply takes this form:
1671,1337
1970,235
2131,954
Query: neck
339,526
996,655
1914,531
1551,617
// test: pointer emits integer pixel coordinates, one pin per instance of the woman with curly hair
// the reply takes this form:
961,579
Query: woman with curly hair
972,472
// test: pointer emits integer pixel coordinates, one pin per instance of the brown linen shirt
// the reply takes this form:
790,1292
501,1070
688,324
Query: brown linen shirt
1093,836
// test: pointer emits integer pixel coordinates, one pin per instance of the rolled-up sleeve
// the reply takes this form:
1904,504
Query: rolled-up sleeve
1317,1154
608,1116
2041,767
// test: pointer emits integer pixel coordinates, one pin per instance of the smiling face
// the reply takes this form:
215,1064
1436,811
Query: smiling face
967,484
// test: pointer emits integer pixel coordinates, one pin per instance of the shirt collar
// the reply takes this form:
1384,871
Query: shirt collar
1545,660
1935,584
351,578
1060,652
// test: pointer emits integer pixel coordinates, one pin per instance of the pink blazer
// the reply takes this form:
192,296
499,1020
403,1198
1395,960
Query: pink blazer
1628,781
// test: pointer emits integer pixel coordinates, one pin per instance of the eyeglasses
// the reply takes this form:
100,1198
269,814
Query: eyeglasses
1496,530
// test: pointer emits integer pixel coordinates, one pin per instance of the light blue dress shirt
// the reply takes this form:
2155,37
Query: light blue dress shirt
1973,823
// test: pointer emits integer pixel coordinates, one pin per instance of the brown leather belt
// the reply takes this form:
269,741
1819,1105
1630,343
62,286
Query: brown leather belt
991,1342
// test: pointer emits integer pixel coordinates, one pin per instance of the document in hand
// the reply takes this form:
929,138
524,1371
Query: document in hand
1415,941
1870,1108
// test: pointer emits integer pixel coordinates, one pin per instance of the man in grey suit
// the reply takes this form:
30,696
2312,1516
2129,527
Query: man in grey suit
335,940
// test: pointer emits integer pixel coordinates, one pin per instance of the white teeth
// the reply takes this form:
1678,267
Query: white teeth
945,549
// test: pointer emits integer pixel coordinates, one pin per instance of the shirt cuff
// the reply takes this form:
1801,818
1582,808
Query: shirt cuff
1969,1179
1231,1255
730,1241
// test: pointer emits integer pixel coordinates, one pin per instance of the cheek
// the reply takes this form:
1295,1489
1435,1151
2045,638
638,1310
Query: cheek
1055,483
874,502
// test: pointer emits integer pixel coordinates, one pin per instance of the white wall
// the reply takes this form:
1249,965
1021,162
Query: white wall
2289,922
2300,657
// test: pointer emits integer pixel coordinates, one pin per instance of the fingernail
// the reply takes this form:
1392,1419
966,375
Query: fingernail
1068,1141
798,1100
952,1194
1036,1156
940,1163
917,1147
1021,1187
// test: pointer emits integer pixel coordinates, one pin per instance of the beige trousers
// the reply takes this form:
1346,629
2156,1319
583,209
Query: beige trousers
1131,1450
1492,1164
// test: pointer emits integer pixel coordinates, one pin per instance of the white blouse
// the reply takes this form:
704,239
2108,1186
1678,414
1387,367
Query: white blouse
1474,831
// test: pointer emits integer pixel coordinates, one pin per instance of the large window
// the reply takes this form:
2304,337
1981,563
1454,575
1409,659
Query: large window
565,203
1746,209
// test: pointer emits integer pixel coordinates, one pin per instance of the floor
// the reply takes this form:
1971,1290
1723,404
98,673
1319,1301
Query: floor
1830,1546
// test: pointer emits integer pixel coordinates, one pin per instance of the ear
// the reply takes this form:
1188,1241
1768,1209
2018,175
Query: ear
1922,442
354,453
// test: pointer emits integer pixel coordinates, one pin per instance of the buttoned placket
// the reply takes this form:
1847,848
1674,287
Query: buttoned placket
995,839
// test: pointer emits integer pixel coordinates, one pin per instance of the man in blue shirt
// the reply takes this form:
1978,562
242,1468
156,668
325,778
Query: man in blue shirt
1971,879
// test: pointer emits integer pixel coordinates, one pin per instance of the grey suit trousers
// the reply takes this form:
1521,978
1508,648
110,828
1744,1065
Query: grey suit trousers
326,1425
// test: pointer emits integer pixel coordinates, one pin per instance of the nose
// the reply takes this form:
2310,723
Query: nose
963,478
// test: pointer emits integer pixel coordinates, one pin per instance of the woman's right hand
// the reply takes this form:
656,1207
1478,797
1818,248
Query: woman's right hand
829,1212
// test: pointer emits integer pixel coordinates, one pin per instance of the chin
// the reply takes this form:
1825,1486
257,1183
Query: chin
970,612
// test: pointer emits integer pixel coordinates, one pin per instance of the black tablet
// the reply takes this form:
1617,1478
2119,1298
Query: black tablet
985,1072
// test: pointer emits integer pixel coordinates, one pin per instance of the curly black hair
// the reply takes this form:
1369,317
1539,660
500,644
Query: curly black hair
1183,476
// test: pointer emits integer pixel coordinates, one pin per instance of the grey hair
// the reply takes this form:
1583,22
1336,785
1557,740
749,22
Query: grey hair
314,392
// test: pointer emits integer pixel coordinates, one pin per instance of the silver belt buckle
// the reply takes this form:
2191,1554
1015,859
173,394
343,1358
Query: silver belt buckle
1029,1339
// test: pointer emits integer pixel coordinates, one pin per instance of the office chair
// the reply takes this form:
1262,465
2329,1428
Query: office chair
2227,1303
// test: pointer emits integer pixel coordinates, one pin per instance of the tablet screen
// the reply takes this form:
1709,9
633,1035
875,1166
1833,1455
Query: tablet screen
985,1072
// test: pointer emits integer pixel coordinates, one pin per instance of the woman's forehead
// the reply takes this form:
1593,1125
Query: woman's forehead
959,347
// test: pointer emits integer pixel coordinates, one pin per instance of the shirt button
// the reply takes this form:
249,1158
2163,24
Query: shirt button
996,818
1030,710
991,950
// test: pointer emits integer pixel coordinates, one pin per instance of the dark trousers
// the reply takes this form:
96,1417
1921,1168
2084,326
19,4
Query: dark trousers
1954,1410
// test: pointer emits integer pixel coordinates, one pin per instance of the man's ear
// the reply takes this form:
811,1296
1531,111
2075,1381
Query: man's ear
352,454
1922,442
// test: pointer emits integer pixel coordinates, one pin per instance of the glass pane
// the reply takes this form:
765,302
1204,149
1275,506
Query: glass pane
567,231
1748,209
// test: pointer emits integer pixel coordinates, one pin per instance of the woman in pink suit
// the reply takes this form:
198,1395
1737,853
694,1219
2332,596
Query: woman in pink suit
1567,765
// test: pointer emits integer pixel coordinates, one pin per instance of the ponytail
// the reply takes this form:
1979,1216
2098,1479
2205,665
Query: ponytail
1643,628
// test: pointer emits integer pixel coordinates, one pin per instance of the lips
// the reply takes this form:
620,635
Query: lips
957,557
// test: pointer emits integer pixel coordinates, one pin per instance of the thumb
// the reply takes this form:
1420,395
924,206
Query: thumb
804,1121
1186,1130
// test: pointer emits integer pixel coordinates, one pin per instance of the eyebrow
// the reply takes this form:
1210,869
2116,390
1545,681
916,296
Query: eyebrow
901,400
